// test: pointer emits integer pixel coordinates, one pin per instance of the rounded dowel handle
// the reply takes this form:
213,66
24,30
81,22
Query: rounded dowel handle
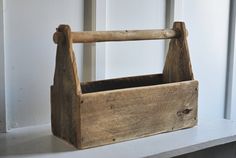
127,35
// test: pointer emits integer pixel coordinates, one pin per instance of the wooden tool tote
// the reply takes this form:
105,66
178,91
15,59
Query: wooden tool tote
90,114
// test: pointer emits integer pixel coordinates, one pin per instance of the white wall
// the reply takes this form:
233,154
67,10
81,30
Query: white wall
30,54
207,23
134,58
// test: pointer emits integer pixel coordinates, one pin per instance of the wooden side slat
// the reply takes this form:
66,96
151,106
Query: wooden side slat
114,116
178,65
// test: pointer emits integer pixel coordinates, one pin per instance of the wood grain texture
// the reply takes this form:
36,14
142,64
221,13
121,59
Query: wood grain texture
65,92
102,112
178,65
126,35
113,116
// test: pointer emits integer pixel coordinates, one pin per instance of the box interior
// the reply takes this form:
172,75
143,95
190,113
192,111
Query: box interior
121,83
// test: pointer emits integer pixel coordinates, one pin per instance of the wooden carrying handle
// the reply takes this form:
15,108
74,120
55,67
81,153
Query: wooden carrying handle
177,66
127,35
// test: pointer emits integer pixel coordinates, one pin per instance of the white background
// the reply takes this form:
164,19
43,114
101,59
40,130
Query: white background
135,58
30,52
30,55
207,23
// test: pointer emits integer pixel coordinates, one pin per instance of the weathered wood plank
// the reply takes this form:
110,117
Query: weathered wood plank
113,116
178,65
65,92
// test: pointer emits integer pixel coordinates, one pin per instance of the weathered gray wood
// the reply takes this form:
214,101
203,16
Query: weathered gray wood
127,35
65,92
113,116
178,65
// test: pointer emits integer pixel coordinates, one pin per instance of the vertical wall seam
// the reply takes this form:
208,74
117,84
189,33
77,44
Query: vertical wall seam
94,54
230,61
3,108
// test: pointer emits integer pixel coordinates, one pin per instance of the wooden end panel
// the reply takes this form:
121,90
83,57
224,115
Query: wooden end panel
178,65
65,105
119,115
65,93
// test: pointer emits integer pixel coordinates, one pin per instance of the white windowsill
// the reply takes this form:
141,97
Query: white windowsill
38,141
